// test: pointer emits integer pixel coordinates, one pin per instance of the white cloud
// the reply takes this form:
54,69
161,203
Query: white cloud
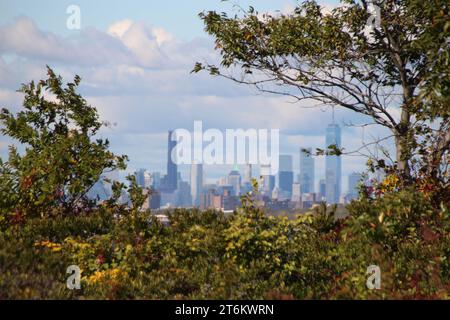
119,28
125,42
9,98
91,47
138,77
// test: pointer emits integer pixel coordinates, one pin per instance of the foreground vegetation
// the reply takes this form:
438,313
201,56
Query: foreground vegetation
127,254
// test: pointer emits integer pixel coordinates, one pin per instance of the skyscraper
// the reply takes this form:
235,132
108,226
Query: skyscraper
354,180
234,179
307,171
156,180
154,199
196,183
268,180
171,180
333,166
143,178
322,189
183,194
147,179
285,174
247,179
296,193
101,190
140,178
247,173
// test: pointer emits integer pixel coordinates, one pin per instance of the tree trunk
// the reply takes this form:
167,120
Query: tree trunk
402,162
402,133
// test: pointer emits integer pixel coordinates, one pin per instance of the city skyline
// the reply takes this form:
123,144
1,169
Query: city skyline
307,166
279,186
223,170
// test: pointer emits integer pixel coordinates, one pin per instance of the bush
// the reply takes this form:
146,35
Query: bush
246,255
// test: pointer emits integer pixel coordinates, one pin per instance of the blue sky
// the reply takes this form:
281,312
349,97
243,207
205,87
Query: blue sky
135,58
178,17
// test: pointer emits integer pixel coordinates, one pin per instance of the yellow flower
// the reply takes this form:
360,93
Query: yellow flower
47,244
390,183
111,274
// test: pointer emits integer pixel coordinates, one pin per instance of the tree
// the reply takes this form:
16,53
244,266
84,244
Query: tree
62,159
340,58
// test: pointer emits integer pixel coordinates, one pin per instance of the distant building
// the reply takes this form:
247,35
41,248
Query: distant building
147,179
247,180
322,190
234,179
196,183
333,166
275,193
222,181
268,180
307,170
281,195
101,190
211,200
155,199
308,200
217,202
221,189
156,180
296,193
354,179
247,174
285,174
205,199
274,205
168,199
246,187
124,198
170,181
140,178
230,202
209,186
183,194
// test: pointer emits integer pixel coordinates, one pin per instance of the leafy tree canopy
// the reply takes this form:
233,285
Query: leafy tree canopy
62,159
355,57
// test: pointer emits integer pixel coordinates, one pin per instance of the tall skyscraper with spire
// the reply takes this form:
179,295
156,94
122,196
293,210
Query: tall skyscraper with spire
333,165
